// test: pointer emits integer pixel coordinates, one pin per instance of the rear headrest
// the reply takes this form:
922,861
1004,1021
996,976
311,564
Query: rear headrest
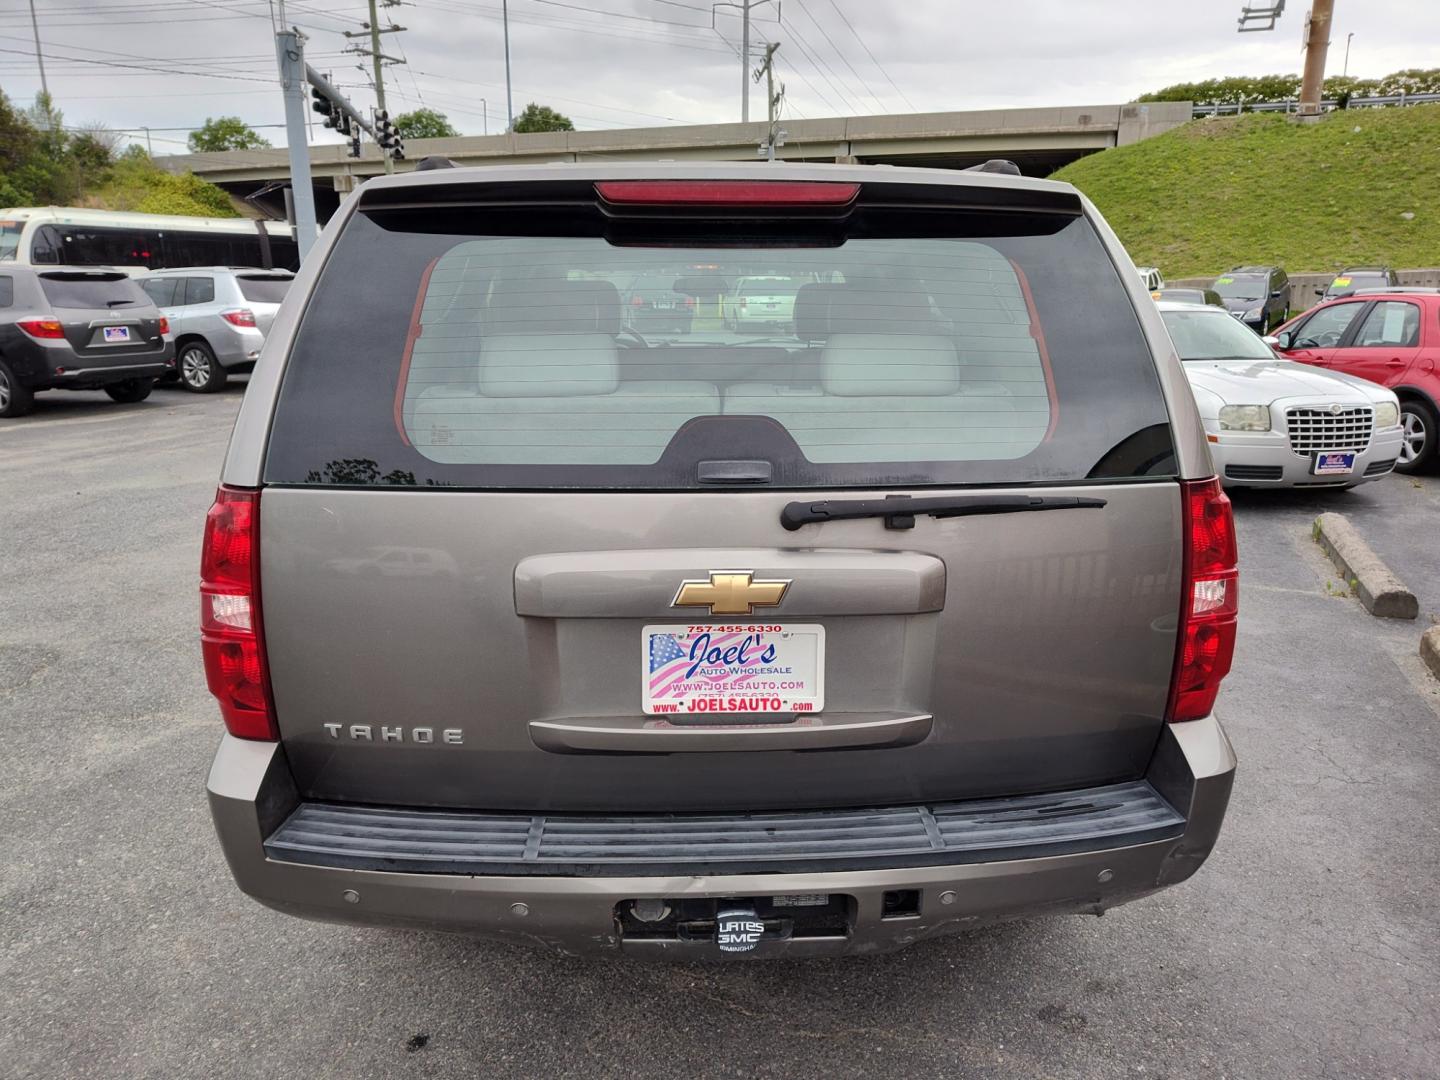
812,310
889,365
526,306
548,365
880,308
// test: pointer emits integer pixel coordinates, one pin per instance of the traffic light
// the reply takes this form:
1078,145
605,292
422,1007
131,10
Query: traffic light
388,136
323,105
355,141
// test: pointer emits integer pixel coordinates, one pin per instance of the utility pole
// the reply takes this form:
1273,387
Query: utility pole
1346,70
379,74
744,7
509,101
1317,41
379,59
39,55
149,150
291,55
772,101
745,63
484,117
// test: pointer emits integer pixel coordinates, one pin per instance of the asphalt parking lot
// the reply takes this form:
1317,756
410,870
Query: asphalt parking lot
1309,946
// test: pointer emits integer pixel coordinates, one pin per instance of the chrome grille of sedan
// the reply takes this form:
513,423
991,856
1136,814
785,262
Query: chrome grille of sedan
1313,430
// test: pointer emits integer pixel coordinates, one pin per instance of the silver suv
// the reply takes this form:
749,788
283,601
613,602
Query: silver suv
723,644
77,328
218,315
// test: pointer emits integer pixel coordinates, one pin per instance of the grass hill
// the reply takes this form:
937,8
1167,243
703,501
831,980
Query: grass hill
137,184
1263,189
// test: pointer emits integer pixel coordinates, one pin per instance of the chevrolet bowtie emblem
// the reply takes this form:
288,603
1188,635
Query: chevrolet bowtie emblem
730,592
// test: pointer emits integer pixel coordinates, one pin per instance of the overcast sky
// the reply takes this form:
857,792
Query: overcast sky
170,64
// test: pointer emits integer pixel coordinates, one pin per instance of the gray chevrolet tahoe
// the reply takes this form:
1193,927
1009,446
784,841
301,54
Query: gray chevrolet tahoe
907,617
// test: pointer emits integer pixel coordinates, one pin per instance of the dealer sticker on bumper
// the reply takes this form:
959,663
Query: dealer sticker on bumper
1329,463
733,668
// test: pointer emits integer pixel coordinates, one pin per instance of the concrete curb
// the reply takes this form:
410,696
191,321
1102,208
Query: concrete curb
1383,594
1430,650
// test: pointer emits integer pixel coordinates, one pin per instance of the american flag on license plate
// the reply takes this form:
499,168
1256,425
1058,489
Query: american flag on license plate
663,650
670,658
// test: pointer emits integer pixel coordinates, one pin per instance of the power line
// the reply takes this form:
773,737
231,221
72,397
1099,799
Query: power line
571,23
870,54
550,96
843,58
818,64
619,15
142,67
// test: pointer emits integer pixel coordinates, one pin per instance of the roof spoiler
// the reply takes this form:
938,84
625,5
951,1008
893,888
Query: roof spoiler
1004,166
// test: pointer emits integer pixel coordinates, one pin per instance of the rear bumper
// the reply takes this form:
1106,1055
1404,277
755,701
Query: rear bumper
251,796
36,365
235,345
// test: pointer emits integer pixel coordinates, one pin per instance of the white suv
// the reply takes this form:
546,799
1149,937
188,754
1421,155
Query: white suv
218,316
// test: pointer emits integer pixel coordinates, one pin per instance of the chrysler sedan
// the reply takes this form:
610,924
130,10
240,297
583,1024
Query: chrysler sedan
1275,423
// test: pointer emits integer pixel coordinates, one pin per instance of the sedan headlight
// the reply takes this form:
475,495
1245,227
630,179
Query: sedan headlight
1245,418
1387,414
1254,313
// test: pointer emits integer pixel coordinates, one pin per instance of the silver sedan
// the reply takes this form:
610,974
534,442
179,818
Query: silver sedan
1274,423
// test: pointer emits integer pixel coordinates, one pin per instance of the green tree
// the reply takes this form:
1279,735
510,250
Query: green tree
41,162
17,147
1411,81
137,183
542,118
1228,90
425,124
1271,88
225,133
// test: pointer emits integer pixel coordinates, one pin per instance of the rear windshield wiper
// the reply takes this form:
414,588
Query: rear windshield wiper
899,511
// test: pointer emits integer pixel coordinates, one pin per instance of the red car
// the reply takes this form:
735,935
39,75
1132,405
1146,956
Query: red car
1389,336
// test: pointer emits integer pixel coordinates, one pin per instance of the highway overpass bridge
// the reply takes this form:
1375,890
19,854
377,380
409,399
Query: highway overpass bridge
1038,140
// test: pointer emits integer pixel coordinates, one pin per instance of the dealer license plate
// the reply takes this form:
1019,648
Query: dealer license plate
731,669
117,333
1332,463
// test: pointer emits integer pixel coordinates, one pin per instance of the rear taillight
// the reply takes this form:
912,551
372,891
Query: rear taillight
690,302
42,328
1210,595
230,632
164,325
636,301
239,317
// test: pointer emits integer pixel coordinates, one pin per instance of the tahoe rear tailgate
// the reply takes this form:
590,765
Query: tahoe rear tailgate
515,556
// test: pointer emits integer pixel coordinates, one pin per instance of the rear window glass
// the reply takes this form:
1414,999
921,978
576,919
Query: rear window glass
960,348
199,290
769,288
91,290
161,290
1242,286
264,290
10,239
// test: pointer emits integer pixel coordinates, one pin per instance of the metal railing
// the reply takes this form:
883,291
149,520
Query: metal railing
1290,105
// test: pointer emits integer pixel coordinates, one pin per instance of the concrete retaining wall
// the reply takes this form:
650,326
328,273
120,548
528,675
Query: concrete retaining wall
1304,284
